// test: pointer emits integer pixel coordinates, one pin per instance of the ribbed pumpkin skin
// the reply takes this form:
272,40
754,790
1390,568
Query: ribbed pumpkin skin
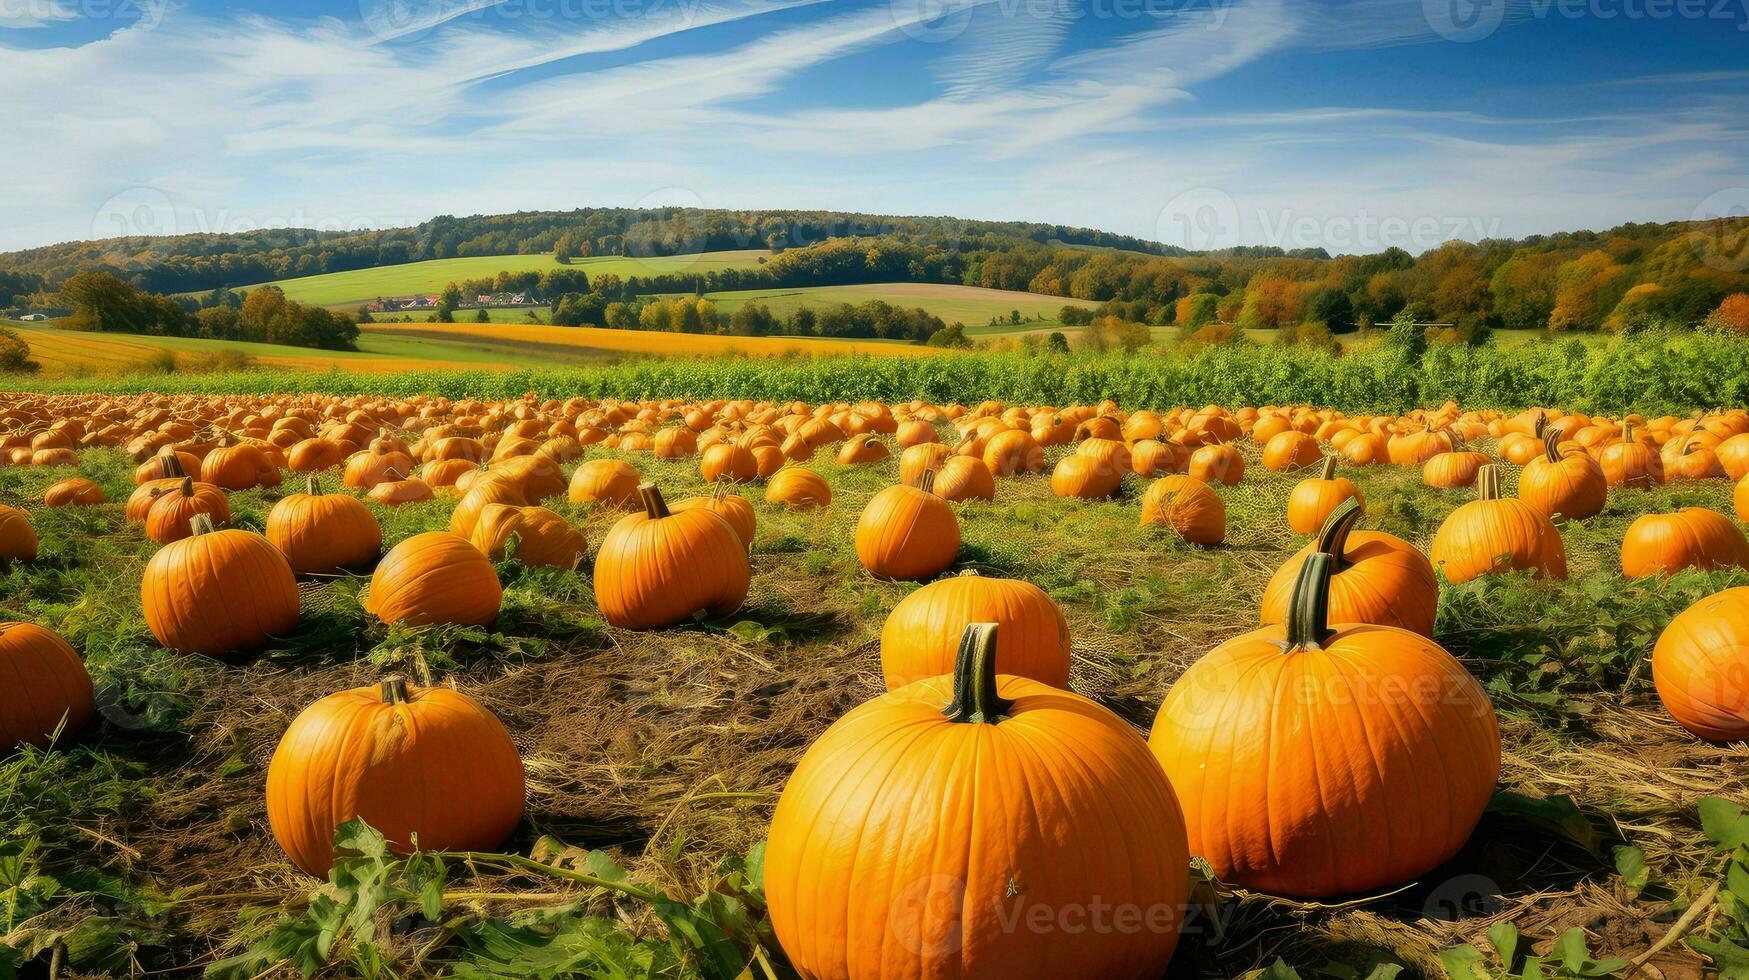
542,537
907,845
240,467
75,491
919,459
169,518
799,489
1085,477
1631,464
311,455
731,507
1290,450
1217,464
921,634
1693,537
1374,771
607,481
1187,506
1573,487
964,478
1383,580
45,683
219,592
1315,497
1448,471
654,572
438,765
907,533
1013,451
728,461
324,532
17,537
1740,499
480,493
1485,536
435,577
1700,667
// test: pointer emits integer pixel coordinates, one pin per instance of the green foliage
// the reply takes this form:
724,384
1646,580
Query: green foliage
1570,959
1727,828
15,354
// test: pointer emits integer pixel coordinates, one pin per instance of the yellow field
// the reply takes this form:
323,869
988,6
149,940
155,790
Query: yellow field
65,352
528,338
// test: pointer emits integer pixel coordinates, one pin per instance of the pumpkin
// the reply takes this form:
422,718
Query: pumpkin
1689,459
239,466
74,491
1017,796
435,577
798,489
218,591
147,493
536,474
320,532
1693,537
394,493
1700,667
1290,450
166,465
485,490
365,470
1014,451
1454,468
1571,485
1086,477
415,763
1375,577
658,567
915,432
1366,448
922,632
1631,463
920,459
1314,498
1217,464
908,533
731,507
964,478
1740,499
1521,447
1151,458
171,516
1495,534
1187,506
542,537
17,537
612,482
1733,455
440,473
676,442
1372,771
862,449
728,461
47,694
311,455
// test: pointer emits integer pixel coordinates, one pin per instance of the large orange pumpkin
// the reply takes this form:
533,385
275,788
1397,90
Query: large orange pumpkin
47,691
74,491
1376,578
218,591
798,489
1372,771
542,537
1015,800
426,763
324,532
1700,667
907,533
1693,537
731,507
963,478
435,577
612,482
239,466
1217,464
1567,484
1085,477
172,514
1495,534
17,537
1290,450
1631,463
659,567
1314,498
922,632
1186,505
1013,451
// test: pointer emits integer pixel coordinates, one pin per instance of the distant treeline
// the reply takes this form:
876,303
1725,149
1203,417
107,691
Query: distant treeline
103,302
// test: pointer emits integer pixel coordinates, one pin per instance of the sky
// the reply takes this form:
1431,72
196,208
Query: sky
1203,123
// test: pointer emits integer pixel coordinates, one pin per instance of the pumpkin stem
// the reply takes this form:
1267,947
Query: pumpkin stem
1308,622
927,484
654,506
395,690
1452,439
172,464
1329,470
187,487
1488,482
1333,537
312,487
1542,422
974,679
1552,445
720,492
200,524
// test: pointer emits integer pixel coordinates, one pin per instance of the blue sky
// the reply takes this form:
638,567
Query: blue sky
1352,125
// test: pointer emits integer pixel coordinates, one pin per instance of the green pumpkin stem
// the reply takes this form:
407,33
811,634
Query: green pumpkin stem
1333,537
1488,482
975,700
395,690
1552,445
1329,470
312,486
1542,422
654,506
927,484
1308,621
200,524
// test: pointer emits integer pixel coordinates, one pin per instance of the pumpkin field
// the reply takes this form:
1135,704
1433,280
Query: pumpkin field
436,678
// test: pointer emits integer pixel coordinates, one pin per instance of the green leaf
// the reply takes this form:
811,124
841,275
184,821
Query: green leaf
1504,936
1279,970
1571,950
1557,816
1630,863
1724,823
1731,960
1463,963
602,865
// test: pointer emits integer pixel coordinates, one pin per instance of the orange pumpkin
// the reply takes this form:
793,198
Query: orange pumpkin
1700,666
47,694
239,466
1217,464
435,577
1314,498
394,493
542,537
320,532
728,461
1571,485
365,470
1454,468
798,489
488,489
964,478
612,482
921,634
1290,450
1013,451
1187,506
172,515
166,465
908,533
1631,463
311,455
74,491
961,852
1374,771
218,591
1693,537
862,449
1740,500
659,567
426,763
1495,534
17,537
731,507
1151,458
1375,577
920,459
1086,477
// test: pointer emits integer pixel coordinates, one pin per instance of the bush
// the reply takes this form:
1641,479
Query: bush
15,354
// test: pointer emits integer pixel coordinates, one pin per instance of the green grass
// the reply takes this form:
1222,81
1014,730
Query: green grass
970,305
363,285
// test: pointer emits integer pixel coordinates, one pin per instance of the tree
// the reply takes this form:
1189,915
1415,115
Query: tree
1407,337
1057,343
953,335
481,316
15,354
1331,307
1586,289
1271,303
1732,314
447,303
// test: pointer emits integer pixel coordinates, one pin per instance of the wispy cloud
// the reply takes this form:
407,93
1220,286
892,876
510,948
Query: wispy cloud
28,14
